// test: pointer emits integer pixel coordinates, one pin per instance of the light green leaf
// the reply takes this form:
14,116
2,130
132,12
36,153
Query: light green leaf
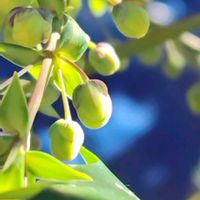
19,55
13,177
35,71
51,168
72,77
73,41
105,186
98,7
49,110
14,117
88,156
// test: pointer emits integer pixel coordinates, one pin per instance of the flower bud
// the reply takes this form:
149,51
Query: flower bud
27,26
92,103
66,139
104,59
131,19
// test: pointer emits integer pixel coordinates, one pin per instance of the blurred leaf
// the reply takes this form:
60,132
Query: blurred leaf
19,55
51,168
14,117
105,186
175,60
98,7
13,177
49,110
74,7
72,77
193,98
73,41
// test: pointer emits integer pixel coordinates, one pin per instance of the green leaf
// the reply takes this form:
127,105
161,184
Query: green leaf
51,95
105,186
19,55
98,7
35,71
72,77
14,117
51,168
73,41
74,7
13,177
88,156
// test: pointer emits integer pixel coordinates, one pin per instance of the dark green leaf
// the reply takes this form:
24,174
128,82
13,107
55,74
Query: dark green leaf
18,55
73,42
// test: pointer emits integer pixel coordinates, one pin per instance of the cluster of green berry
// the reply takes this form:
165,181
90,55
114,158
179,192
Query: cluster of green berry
27,26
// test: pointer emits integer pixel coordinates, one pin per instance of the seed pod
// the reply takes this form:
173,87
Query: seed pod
132,20
92,103
66,139
27,26
56,6
104,59
8,5
193,98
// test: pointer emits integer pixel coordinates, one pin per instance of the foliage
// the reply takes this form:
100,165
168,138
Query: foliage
51,53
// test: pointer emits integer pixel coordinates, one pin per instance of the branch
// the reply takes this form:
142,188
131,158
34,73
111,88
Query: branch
157,36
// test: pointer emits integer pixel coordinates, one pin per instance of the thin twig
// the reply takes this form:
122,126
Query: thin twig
20,73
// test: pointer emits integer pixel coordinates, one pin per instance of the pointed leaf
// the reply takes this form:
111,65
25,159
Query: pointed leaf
19,55
51,168
14,117
72,78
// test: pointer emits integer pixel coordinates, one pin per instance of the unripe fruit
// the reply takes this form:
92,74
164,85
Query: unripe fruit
132,20
193,98
8,5
104,59
66,139
27,26
92,103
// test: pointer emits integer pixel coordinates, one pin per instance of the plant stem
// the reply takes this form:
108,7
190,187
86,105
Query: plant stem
39,90
64,96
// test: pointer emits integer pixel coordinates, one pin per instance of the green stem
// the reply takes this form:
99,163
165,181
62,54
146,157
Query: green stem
157,36
64,96
92,45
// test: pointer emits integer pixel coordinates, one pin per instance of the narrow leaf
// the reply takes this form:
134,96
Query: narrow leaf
19,55
51,168
14,116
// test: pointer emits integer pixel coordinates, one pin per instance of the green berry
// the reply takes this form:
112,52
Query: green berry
92,103
66,139
132,20
27,26
104,59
